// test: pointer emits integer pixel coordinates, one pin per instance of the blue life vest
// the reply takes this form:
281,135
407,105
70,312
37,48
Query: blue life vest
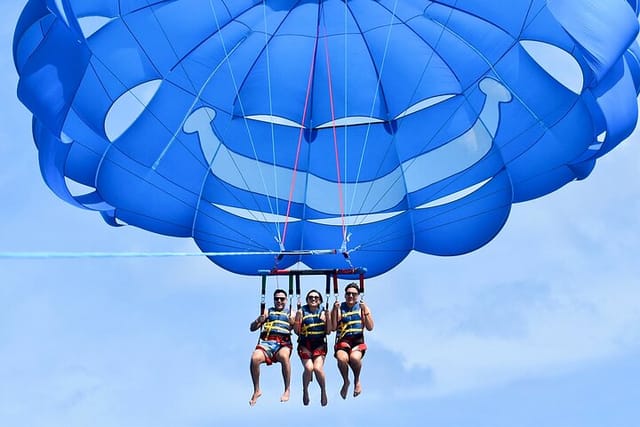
277,323
312,325
351,322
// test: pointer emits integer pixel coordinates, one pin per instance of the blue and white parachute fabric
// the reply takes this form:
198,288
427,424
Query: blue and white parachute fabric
374,127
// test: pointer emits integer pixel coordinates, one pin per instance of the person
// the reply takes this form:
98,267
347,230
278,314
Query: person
312,328
349,319
274,344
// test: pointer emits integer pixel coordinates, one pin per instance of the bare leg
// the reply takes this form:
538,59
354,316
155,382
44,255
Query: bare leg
318,369
355,361
343,367
254,367
306,379
283,356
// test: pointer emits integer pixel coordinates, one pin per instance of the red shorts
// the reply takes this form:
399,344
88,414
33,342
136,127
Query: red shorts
310,349
351,343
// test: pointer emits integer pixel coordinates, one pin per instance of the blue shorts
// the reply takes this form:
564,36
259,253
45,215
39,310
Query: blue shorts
272,346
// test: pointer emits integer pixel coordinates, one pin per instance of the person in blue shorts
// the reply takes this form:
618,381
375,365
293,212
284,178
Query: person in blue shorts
274,344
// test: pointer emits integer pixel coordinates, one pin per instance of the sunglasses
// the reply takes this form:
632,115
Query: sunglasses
280,298
351,294
313,297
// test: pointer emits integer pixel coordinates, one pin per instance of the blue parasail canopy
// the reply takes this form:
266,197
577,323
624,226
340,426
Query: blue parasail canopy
371,127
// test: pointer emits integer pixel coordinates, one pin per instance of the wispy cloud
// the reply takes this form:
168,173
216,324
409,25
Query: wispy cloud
556,291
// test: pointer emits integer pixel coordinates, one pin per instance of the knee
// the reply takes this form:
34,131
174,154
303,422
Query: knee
284,354
282,357
257,357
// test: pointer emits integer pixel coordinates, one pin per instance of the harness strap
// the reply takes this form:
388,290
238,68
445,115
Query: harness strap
305,327
345,329
298,290
277,326
327,291
262,294
290,294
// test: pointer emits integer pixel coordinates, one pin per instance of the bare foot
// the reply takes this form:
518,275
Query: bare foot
323,398
285,396
305,397
254,397
344,389
357,389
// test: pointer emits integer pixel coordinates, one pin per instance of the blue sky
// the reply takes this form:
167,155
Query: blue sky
538,328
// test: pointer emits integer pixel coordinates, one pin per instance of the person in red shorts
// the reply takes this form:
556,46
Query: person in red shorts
350,319
274,344
312,326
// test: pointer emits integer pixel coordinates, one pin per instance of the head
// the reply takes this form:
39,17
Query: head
279,298
313,298
351,293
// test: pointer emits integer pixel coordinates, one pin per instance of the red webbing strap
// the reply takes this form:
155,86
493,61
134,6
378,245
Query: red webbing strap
361,278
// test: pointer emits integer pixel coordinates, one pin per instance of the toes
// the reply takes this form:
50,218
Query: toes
323,400
344,390
357,389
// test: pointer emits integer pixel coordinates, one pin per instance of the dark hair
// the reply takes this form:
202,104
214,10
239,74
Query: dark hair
353,285
279,291
315,292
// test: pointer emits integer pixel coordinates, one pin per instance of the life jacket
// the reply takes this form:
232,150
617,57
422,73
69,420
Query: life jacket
277,323
312,325
351,321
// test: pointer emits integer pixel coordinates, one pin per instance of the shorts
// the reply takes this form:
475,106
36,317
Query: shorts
310,349
350,343
272,346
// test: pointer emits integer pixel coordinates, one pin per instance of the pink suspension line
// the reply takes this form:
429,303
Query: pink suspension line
300,135
335,135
